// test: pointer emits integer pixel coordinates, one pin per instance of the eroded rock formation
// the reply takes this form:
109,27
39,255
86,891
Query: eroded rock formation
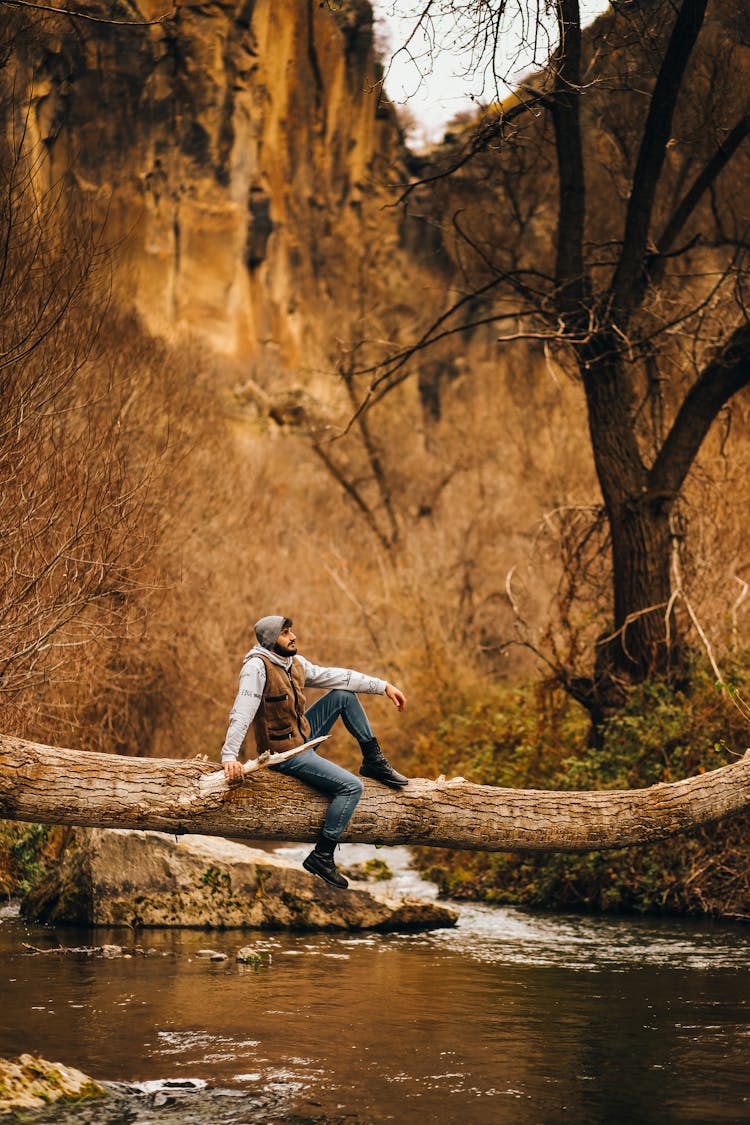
228,149
117,877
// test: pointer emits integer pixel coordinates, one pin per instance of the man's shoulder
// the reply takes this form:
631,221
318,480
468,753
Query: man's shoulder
303,667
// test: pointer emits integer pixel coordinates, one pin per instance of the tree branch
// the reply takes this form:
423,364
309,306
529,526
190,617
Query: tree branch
86,15
722,378
354,493
701,183
487,132
394,371
648,169
572,186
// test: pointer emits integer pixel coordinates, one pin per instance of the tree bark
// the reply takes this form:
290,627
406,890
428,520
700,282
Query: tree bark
651,157
726,374
566,119
641,555
639,523
639,500
56,786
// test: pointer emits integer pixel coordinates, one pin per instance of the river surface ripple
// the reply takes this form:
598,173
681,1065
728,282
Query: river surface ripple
512,1017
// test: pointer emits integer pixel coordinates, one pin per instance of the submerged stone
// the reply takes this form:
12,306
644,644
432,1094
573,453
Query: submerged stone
249,956
125,877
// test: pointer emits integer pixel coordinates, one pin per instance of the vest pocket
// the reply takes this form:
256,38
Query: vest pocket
277,736
276,698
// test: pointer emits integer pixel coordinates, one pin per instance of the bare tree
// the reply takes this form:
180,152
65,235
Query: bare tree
601,210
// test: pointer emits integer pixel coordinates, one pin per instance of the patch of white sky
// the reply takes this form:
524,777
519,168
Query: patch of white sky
437,67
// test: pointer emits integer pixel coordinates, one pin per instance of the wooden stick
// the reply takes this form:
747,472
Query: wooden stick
217,782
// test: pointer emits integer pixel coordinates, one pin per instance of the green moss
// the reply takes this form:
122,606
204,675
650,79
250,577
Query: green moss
29,1081
254,960
371,871
217,879
299,906
262,878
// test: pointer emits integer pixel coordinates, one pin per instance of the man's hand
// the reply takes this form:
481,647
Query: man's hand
233,772
397,697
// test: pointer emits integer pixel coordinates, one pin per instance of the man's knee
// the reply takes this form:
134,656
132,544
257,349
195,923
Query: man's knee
341,697
354,786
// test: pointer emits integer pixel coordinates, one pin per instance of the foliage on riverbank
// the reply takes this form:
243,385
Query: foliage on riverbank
521,738
26,851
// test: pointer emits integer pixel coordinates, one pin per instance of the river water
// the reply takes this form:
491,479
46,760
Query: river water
517,1018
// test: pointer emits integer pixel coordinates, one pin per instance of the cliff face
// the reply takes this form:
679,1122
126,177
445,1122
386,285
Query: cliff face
224,147
237,155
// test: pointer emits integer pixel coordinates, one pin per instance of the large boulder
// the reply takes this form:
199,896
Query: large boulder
31,1082
116,877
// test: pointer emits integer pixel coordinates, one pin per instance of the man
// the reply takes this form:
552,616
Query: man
271,697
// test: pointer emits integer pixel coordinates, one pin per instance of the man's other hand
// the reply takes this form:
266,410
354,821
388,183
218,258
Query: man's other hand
233,772
396,696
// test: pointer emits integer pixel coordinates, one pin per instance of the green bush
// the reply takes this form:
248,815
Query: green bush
530,740
25,853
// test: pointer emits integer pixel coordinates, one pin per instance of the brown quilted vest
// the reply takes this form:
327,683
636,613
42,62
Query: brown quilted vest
280,722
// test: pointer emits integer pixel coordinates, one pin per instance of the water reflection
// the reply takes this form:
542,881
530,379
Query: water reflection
510,1017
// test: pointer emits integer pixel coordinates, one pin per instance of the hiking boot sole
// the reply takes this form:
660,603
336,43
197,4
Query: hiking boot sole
391,782
341,884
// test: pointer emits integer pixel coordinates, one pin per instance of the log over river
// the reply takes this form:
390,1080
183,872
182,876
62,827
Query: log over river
60,786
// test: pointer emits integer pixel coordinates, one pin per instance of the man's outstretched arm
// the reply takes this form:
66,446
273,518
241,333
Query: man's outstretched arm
317,675
346,679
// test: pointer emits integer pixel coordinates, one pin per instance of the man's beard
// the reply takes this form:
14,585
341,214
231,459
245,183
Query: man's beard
282,650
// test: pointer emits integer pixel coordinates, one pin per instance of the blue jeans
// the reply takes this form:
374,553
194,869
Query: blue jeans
343,787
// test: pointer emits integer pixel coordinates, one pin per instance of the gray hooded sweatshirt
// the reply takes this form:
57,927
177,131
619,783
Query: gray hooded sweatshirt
253,680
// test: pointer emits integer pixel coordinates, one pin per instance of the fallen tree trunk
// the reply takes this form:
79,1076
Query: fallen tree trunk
55,786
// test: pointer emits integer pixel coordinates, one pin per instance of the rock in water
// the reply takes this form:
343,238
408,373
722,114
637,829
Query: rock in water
249,956
30,1082
116,877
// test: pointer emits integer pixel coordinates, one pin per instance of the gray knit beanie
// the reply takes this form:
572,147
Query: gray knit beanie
268,628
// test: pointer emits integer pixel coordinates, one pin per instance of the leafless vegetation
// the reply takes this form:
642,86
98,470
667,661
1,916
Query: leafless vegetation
96,422
599,210
429,512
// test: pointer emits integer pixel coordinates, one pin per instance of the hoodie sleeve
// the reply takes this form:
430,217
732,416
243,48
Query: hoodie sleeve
249,695
346,678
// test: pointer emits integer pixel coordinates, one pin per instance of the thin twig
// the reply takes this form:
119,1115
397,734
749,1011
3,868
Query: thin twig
88,16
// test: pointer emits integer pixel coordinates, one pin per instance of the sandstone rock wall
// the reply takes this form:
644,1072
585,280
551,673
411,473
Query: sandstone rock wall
220,147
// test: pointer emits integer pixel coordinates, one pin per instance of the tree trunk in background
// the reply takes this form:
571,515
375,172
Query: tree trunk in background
56,786
640,642
641,557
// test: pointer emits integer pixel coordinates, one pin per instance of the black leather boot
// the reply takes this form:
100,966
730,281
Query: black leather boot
320,862
376,765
